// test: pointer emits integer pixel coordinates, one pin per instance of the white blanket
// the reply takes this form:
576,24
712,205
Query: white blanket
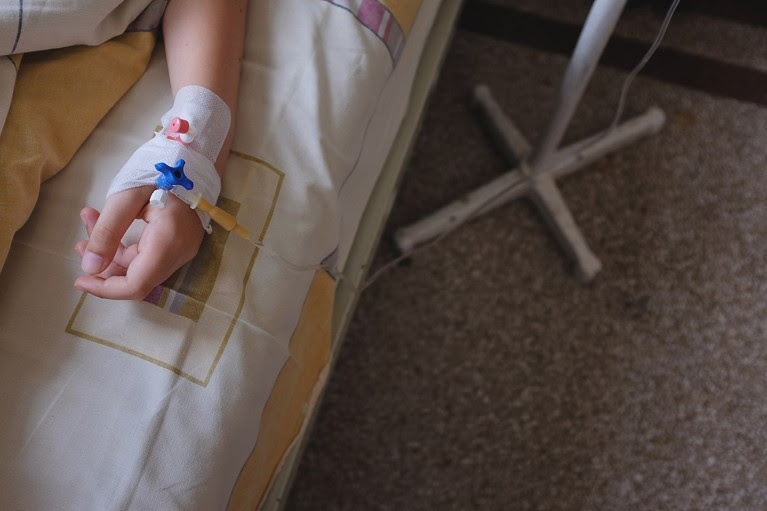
32,25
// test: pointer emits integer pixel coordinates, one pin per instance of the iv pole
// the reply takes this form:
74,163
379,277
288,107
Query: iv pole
535,175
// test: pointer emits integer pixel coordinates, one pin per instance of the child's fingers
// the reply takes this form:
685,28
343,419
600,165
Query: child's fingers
123,256
119,265
170,238
119,212
147,269
89,216
114,287
80,247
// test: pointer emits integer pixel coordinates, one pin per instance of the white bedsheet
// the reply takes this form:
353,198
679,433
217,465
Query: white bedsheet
131,405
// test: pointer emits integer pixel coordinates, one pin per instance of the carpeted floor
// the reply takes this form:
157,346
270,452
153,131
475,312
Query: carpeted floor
481,375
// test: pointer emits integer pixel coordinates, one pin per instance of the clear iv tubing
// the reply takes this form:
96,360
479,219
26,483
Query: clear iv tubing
229,223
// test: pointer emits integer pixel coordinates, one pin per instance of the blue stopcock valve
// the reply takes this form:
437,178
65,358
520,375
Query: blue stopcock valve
174,176
171,176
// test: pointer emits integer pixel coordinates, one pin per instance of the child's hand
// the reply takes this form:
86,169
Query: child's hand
171,238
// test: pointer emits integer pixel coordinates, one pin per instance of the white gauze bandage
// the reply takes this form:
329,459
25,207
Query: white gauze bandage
193,130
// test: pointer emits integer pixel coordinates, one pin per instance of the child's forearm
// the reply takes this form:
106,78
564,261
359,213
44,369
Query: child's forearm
203,45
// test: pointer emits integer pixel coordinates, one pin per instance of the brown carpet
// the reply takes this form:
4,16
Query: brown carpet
481,375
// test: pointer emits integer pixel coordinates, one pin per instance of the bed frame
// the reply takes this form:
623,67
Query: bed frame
371,228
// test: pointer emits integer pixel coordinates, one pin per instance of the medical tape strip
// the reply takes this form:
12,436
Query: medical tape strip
209,120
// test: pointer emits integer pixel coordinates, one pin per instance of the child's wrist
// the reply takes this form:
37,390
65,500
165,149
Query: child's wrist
193,130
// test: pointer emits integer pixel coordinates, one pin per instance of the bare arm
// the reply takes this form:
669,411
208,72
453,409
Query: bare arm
203,45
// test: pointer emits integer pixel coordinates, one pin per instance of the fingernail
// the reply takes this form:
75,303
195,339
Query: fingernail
92,263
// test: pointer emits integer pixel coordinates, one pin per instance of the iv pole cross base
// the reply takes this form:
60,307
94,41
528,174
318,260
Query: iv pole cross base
540,167
539,186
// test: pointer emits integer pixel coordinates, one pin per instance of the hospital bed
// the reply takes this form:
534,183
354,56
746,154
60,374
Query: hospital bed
202,396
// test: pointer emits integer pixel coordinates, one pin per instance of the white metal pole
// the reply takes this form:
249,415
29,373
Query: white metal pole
508,138
600,22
